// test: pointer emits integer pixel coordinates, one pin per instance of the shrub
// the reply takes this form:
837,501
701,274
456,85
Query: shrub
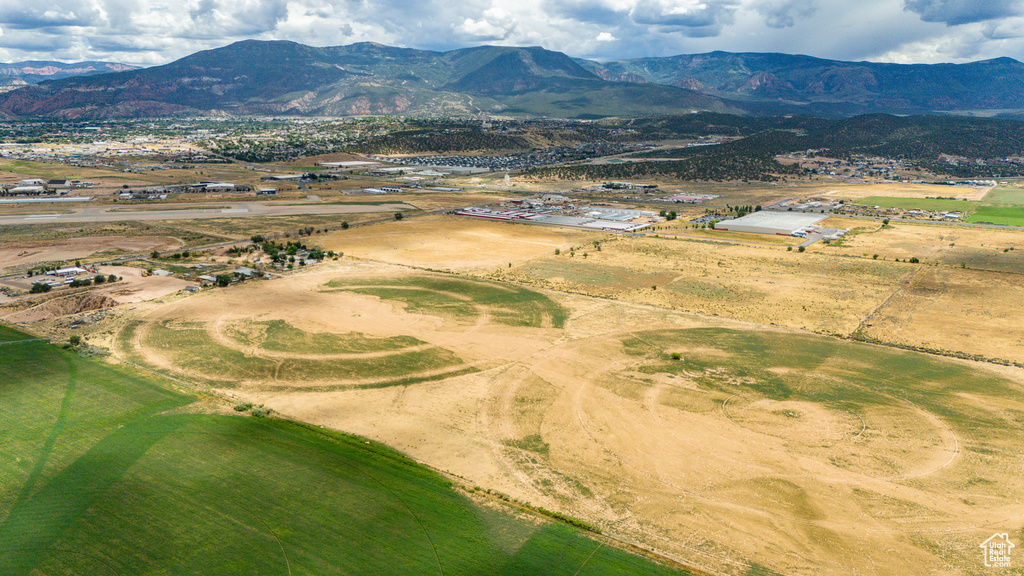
677,356
243,406
111,278
99,279
75,340
914,260
875,257
398,216
801,248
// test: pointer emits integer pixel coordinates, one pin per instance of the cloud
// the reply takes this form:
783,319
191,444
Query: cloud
785,13
493,24
695,18
148,32
957,12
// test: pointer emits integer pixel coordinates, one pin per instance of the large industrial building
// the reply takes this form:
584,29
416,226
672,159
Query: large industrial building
768,222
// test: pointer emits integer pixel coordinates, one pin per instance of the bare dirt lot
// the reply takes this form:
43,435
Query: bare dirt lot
759,447
27,253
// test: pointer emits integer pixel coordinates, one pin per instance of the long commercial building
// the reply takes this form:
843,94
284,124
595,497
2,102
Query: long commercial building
769,222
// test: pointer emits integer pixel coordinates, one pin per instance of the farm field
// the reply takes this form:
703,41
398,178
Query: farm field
759,448
105,472
933,204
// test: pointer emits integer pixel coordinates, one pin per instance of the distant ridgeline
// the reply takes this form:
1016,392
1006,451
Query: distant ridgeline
277,77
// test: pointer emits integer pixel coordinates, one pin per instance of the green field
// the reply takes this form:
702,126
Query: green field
833,373
192,349
463,300
1004,215
933,204
103,472
1005,196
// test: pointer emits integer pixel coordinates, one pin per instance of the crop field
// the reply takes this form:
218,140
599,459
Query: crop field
1001,206
579,405
933,204
108,473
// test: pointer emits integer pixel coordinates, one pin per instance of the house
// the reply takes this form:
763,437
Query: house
206,279
246,272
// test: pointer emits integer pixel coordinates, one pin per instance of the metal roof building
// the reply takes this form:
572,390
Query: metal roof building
769,222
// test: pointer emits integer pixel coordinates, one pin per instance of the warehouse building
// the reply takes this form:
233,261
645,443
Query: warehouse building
769,222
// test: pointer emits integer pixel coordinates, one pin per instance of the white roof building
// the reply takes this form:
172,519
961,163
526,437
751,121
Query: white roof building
770,222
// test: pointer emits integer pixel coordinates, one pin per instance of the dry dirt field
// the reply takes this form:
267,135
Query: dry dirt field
449,242
21,254
758,448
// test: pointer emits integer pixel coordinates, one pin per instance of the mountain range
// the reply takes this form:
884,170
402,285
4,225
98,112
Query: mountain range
35,71
285,78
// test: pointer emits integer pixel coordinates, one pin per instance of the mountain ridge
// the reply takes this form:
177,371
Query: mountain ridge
255,77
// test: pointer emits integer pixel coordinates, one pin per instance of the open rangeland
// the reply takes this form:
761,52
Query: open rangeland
733,447
449,242
107,472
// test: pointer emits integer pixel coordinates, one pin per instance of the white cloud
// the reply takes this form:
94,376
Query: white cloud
157,31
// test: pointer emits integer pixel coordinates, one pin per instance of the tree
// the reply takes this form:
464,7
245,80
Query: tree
801,248
344,225
40,288
111,278
223,280
398,216
154,254
99,279
75,340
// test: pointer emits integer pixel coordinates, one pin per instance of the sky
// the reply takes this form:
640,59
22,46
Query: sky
151,32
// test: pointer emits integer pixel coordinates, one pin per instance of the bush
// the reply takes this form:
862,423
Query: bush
344,225
111,278
914,260
75,340
801,248
99,279
260,412
677,356
398,216
243,406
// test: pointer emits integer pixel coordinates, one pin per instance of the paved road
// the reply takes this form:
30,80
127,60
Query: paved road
106,213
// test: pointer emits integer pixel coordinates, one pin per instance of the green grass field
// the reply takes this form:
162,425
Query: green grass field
102,474
463,300
1004,206
920,203
193,349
